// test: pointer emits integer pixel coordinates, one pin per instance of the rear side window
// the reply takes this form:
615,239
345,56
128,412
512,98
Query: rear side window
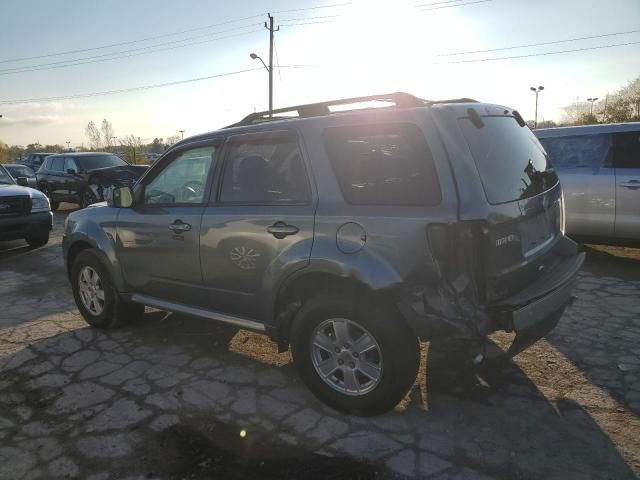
265,169
383,164
583,151
57,164
626,147
511,162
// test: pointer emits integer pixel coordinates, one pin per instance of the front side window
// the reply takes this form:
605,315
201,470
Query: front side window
626,150
583,151
183,180
70,164
265,169
57,164
386,164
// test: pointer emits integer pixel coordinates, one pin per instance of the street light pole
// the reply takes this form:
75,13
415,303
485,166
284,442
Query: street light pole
68,142
592,100
182,133
537,91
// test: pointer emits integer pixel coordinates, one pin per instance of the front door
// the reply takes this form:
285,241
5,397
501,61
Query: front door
259,226
158,238
627,162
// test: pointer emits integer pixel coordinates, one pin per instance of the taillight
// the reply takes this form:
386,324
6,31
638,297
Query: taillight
562,214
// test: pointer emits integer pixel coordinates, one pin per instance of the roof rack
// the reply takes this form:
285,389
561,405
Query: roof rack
400,99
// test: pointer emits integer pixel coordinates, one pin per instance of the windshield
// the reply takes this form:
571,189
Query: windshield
20,171
100,161
5,177
511,162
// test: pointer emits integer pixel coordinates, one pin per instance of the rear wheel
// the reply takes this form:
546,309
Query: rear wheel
97,300
354,355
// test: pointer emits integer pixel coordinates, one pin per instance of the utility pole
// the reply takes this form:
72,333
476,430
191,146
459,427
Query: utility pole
182,133
271,32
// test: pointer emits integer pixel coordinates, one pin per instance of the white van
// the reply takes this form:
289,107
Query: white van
599,169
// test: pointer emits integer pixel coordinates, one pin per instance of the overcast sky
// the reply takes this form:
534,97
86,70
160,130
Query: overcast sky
361,47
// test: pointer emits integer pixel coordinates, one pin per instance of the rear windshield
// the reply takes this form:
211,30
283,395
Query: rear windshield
100,161
20,171
383,164
511,161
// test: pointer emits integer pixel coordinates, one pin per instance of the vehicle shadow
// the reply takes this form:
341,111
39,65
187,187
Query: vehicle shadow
455,421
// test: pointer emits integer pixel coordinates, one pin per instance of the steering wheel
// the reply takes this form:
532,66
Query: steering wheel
192,190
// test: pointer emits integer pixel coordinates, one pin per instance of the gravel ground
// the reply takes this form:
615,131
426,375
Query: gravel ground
178,397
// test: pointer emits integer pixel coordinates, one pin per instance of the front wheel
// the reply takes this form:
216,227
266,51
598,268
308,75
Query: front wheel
354,355
44,188
87,199
38,240
97,300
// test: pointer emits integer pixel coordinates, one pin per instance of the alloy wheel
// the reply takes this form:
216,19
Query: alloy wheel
346,356
91,290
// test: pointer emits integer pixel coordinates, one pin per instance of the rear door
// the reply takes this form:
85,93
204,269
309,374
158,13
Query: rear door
524,212
626,157
259,224
158,240
584,165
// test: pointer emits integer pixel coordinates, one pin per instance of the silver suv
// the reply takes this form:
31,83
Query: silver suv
346,231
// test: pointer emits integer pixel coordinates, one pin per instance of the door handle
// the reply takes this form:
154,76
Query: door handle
179,227
632,184
281,230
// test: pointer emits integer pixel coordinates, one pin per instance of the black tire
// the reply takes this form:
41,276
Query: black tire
87,198
115,311
44,188
38,240
400,351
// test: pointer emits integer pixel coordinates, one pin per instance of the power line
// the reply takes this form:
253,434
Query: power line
538,44
131,42
100,58
140,88
164,35
423,9
343,4
310,18
537,54
306,23
432,4
71,62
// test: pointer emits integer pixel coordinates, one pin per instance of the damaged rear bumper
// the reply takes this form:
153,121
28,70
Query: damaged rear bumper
442,312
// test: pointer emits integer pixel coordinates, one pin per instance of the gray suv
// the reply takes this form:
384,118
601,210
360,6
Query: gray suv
346,231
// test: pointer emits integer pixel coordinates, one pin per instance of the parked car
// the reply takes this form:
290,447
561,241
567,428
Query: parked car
599,168
83,178
16,170
24,212
34,160
348,236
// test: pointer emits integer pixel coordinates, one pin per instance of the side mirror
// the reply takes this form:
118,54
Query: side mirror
71,171
22,181
120,197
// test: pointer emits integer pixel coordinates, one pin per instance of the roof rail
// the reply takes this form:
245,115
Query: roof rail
400,99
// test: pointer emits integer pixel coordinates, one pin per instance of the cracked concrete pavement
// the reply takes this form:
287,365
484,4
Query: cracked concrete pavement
81,403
